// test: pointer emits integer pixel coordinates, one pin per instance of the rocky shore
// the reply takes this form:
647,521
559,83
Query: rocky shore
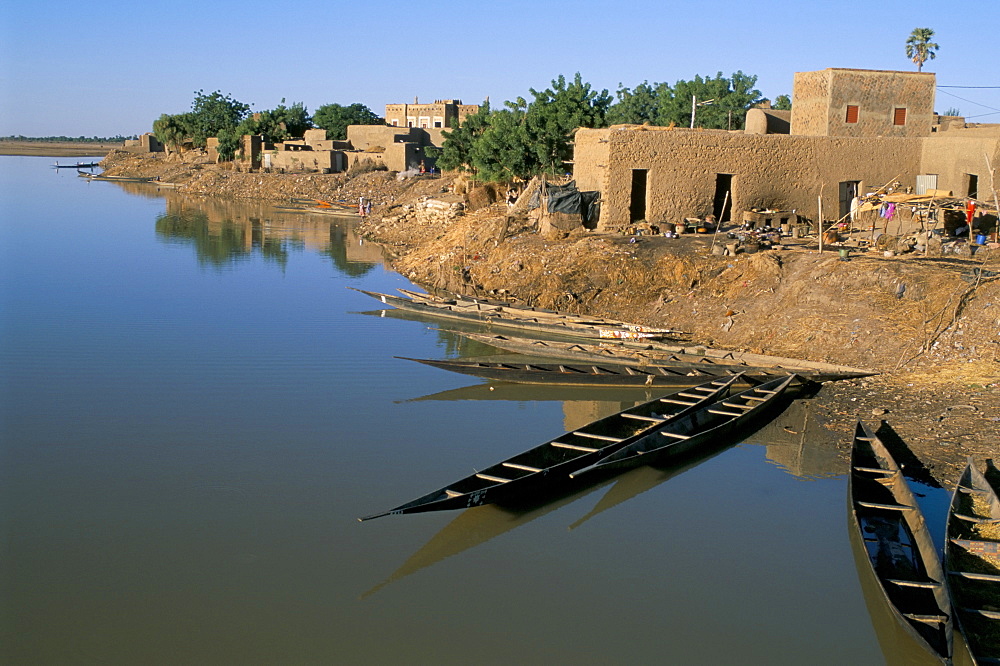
929,325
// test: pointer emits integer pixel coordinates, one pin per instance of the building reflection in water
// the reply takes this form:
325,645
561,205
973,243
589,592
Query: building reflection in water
225,231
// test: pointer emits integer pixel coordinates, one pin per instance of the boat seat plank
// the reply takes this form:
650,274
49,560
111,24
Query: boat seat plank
488,477
640,417
563,445
993,615
689,395
675,435
453,493
605,438
893,507
755,398
876,470
678,402
736,406
975,519
929,619
972,575
526,468
914,583
723,413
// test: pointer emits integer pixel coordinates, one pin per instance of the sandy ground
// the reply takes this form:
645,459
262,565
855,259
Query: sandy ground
56,148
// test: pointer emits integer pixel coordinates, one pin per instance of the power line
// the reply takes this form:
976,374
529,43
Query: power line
992,108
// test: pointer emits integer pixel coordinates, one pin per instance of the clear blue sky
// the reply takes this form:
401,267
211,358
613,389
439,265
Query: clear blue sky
110,67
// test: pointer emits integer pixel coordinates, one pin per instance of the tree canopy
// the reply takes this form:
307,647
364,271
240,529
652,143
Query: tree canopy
335,118
920,48
209,115
278,124
719,102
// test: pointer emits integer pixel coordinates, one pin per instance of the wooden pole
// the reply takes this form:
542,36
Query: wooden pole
820,205
718,223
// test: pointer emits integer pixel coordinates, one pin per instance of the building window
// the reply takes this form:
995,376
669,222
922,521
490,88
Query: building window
899,116
395,123
852,114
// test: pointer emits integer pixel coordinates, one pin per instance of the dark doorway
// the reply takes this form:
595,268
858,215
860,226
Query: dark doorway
973,185
637,202
848,190
722,204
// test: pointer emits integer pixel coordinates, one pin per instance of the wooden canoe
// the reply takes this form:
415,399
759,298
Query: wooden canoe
708,426
972,562
609,374
526,311
570,325
554,460
885,513
650,354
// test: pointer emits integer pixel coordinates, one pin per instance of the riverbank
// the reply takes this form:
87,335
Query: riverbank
55,148
928,325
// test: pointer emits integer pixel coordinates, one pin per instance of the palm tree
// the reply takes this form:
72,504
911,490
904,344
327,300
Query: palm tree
919,48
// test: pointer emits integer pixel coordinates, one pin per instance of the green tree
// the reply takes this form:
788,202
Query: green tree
782,103
504,150
721,102
229,143
456,151
919,48
556,113
335,118
172,130
278,124
212,113
634,107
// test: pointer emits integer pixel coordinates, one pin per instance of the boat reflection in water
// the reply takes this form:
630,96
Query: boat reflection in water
477,525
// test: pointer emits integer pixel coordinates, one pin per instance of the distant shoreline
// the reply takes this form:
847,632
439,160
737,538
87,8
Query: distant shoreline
56,148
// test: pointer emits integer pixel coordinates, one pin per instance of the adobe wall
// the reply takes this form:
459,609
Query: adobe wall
820,101
363,137
953,156
774,171
810,103
324,161
590,156
767,121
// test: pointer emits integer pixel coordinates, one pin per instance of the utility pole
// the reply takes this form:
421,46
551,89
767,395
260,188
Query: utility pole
695,104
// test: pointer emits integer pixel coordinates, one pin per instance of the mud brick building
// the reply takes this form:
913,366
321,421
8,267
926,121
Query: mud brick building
440,114
849,131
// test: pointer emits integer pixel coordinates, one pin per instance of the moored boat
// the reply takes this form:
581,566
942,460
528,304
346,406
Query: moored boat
885,513
709,425
565,325
553,461
610,374
651,353
972,563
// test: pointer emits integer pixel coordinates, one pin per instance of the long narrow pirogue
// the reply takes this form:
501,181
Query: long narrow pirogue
552,462
711,424
650,353
885,513
972,562
610,374
575,326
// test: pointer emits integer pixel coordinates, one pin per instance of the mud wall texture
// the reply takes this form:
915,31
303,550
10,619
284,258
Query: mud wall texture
885,103
590,155
953,158
683,169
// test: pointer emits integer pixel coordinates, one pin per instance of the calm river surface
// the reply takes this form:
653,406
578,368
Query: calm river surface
195,410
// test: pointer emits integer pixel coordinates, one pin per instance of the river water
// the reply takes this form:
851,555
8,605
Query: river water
195,410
